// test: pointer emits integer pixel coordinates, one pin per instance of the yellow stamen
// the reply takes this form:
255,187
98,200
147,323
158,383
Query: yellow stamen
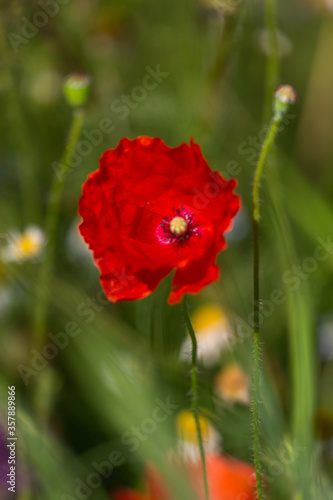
178,226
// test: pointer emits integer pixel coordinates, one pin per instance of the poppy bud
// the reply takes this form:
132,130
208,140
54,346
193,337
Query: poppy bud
76,89
284,95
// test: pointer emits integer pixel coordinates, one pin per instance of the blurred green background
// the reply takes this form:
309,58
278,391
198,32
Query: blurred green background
218,76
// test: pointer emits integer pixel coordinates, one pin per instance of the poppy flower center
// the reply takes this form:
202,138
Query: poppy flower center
178,226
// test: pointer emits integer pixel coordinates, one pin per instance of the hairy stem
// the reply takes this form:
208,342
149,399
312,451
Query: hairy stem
195,393
267,144
51,222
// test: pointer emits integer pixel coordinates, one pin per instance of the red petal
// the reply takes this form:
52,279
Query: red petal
195,275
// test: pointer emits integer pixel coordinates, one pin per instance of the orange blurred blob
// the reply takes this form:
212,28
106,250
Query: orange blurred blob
228,479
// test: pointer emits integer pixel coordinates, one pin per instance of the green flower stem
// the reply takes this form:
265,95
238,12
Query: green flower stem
267,144
195,393
51,222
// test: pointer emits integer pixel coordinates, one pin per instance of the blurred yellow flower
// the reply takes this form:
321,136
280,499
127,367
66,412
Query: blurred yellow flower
188,447
213,331
24,246
232,384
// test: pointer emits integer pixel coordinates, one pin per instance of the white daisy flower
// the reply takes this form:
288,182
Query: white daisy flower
213,332
188,447
23,246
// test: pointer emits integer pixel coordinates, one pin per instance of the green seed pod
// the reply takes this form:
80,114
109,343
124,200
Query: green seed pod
76,89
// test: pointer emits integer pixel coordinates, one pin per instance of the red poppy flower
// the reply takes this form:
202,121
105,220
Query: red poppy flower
228,479
150,209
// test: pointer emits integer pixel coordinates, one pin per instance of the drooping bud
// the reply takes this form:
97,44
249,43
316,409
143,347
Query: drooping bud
284,95
76,89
